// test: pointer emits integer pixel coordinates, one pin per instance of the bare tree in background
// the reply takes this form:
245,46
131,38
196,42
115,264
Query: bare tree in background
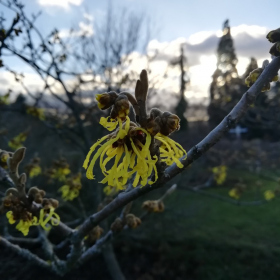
182,104
74,67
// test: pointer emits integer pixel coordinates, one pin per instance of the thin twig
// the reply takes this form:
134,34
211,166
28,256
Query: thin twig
110,235
4,243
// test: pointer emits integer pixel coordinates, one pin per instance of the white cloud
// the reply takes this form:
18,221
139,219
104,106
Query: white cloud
200,49
252,30
84,29
65,4
88,17
32,81
199,37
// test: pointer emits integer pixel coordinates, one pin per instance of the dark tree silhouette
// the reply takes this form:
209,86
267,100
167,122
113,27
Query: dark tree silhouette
225,89
182,104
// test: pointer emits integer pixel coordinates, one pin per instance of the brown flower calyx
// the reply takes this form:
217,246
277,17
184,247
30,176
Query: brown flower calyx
35,194
120,108
49,203
163,122
120,103
132,221
58,170
106,100
153,206
60,163
274,37
25,207
34,162
95,234
275,49
117,225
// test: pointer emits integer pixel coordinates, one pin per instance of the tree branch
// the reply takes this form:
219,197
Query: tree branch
197,151
4,243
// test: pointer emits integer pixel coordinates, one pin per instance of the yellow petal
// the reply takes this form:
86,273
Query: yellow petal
109,125
85,165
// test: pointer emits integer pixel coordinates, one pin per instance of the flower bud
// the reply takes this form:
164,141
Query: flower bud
106,100
120,108
49,203
169,123
54,202
33,191
273,36
266,87
153,206
254,75
153,127
95,234
117,225
275,49
132,221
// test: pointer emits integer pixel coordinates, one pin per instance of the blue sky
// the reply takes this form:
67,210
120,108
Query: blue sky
197,24
174,18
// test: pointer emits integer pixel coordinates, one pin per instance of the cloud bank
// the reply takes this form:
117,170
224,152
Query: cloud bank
200,50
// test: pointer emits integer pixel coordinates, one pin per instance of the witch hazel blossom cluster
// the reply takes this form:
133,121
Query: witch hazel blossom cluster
133,149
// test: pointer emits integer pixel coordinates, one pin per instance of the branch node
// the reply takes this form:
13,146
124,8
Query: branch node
230,122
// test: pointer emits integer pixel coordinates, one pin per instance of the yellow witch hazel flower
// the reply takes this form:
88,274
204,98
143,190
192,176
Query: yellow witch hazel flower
10,217
268,195
3,159
33,168
61,173
234,193
170,151
71,189
59,170
69,193
35,171
36,112
220,174
133,150
24,224
17,141
131,144
108,124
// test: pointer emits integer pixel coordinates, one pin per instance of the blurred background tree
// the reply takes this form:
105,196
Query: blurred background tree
182,105
226,87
